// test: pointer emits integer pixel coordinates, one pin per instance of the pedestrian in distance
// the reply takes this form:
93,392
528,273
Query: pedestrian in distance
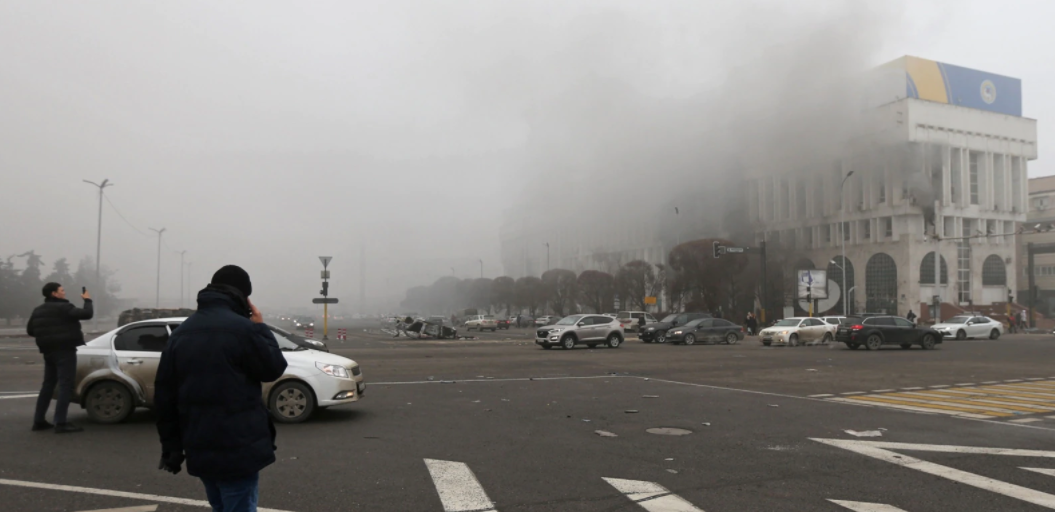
1011,323
911,317
641,323
208,397
56,325
751,323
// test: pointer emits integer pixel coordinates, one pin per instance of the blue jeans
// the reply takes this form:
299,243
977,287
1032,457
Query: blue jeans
233,495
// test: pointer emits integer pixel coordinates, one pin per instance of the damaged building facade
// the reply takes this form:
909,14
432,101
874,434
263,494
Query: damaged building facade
940,167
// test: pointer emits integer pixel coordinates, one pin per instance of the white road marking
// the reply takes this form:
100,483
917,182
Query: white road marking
12,397
938,387
965,384
117,494
860,506
906,389
990,382
1026,420
458,487
144,508
853,393
1043,471
911,408
1013,380
923,401
16,392
821,396
881,450
1036,378
652,496
984,399
888,390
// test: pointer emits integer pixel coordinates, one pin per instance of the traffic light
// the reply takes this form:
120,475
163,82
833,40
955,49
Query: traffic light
717,249
325,288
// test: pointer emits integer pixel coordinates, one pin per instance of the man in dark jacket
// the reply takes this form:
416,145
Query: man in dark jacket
56,324
207,393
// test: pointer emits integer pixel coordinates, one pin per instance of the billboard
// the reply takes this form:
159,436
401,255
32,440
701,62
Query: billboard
813,284
940,82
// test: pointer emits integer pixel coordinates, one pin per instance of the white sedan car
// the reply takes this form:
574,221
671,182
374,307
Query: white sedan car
115,374
796,331
966,326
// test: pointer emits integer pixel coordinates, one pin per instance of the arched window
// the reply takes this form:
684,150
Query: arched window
994,272
881,284
926,270
835,275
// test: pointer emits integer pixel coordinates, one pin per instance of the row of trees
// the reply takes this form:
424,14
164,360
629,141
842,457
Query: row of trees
20,289
692,279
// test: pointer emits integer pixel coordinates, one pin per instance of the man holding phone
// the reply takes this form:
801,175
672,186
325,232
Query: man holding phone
56,325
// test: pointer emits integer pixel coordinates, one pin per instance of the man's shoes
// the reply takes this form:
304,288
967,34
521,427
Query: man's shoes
67,428
37,427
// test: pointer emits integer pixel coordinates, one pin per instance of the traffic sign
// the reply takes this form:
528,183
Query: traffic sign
325,260
735,250
650,300
327,300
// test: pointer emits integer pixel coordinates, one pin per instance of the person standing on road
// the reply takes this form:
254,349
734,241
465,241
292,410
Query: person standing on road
911,317
1011,323
751,323
56,325
207,393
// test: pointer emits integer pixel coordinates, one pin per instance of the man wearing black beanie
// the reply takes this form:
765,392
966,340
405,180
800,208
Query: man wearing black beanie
207,394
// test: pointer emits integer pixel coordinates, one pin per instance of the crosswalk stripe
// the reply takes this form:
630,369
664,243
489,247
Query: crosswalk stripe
652,496
860,506
1043,471
458,487
1007,397
1026,387
1043,384
1009,392
913,408
930,405
977,402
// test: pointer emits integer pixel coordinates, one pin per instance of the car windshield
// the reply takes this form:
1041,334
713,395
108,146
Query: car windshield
669,318
284,343
570,320
958,320
788,322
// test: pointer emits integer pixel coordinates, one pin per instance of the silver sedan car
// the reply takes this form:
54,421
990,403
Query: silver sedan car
115,374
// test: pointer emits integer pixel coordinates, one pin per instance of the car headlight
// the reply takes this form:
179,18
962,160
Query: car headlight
556,330
333,370
312,324
784,332
677,332
650,329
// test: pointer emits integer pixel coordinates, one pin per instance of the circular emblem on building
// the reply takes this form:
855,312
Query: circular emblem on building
988,91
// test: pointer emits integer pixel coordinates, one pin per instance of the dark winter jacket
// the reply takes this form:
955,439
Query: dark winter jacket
207,391
56,324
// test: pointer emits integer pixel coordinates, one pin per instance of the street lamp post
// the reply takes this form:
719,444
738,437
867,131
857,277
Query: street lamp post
99,232
481,269
157,296
547,256
181,255
842,238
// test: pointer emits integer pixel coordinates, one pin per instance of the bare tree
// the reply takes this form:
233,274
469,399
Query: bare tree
562,290
529,293
503,292
597,289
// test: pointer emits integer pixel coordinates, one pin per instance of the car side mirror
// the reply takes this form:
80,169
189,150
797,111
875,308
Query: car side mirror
580,324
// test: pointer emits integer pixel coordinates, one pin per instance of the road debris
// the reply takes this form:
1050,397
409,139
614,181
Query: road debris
669,431
604,433
811,369
631,411
649,396
705,424
673,471
864,433
774,405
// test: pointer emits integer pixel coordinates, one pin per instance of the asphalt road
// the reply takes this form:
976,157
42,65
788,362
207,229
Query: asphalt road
497,423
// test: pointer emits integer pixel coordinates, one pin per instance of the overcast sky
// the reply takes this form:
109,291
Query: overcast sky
268,133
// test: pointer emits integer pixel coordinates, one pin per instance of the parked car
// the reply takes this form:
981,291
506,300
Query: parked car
546,320
833,323
116,371
657,331
481,323
590,330
503,323
716,330
876,331
966,326
795,331
631,320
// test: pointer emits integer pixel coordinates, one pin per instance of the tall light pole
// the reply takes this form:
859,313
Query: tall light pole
481,269
99,232
842,240
181,254
547,256
157,297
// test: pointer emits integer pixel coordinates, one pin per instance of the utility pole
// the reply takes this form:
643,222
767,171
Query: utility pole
547,256
181,254
481,269
99,237
842,240
157,297
362,279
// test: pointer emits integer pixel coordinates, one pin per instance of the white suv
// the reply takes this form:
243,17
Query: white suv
589,330
481,323
631,320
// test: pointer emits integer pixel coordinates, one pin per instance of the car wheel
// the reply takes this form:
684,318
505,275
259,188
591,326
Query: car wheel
793,340
853,346
547,347
827,338
927,342
994,334
690,339
873,342
906,346
961,334
591,345
614,340
661,337
291,402
731,339
109,402
568,342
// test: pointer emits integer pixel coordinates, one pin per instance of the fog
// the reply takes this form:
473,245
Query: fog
266,134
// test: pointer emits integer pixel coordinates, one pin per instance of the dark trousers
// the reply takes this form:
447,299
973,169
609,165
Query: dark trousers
59,368
233,495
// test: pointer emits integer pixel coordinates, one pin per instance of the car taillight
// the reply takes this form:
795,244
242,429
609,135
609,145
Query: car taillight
857,327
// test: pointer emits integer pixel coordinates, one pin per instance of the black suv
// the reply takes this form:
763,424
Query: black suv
657,331
875,331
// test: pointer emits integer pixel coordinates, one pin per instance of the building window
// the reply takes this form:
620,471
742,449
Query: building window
881,284
808,232
956,174
800,197
888,230
1040,203
846,231
994,272
881,185
926,270
963,271
967,228
974,161
828,233
866,229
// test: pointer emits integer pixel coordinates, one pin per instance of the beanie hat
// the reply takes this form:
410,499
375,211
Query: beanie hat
235,276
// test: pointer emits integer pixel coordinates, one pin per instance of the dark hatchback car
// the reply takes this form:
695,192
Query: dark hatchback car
657,331
715,330
875,331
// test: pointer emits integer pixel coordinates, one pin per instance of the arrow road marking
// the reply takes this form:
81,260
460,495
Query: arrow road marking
860,506
1043,471
652,496
458,487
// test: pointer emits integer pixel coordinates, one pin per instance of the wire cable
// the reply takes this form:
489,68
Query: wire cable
118,212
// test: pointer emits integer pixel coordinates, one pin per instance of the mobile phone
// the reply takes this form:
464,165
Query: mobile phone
84,290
